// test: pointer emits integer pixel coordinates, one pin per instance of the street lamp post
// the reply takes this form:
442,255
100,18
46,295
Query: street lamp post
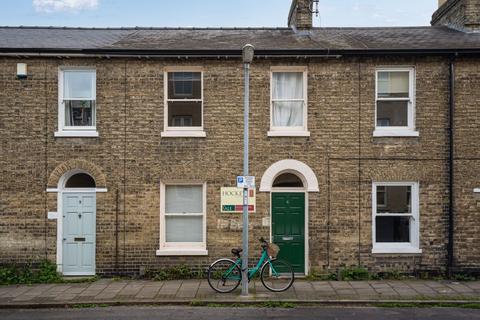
247,56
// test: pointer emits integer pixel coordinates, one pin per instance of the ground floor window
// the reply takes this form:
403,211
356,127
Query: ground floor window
182,219
395,220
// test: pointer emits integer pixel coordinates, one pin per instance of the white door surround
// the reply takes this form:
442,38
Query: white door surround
310,184
61,190
300,169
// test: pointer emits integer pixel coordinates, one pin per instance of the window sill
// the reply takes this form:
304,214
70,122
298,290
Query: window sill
396,250
476,190
182,252
395,133
76,134
186,134
288,133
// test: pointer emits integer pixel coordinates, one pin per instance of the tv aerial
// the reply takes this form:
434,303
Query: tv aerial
314,7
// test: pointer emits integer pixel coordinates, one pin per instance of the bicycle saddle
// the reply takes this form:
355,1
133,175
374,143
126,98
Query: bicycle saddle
237,251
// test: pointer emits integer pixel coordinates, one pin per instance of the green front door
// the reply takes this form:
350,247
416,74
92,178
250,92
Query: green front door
288,227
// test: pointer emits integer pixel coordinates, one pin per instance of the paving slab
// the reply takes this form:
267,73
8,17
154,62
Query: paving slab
170,288
149,291
188,289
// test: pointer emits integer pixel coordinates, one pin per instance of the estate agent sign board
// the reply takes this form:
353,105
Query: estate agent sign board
231,200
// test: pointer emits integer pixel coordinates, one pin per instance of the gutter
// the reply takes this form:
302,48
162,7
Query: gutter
277,53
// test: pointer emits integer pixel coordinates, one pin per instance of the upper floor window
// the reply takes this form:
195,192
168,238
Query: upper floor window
77,103
395,217
288,103
184,103
395,102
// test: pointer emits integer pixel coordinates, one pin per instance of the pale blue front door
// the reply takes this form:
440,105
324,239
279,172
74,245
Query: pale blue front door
79,221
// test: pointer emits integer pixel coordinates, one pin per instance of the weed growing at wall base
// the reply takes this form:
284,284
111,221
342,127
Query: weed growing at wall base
175,273
45,273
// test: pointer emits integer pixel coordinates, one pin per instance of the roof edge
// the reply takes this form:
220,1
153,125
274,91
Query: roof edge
299,53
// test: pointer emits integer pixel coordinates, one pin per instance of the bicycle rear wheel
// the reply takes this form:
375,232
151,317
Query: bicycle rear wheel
277,275
224,276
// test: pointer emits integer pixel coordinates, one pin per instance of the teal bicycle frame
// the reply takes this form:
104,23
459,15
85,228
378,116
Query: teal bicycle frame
251,271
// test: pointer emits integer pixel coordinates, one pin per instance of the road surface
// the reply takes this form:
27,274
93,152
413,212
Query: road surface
191,313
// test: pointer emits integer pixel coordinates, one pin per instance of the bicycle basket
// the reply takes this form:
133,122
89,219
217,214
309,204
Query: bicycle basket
273,250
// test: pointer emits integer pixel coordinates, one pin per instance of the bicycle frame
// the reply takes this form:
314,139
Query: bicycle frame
254,270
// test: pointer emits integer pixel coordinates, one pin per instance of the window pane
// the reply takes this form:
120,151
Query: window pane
184,85
184,114
79,113
392,113
287,180
80,180
287,114
79,85
381,196
393,229
394,199
393,84
287,85
183,229
183,199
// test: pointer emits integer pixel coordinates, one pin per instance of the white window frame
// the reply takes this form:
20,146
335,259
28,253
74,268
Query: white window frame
182,248
411,247
290,131
168,130
409,130
75,131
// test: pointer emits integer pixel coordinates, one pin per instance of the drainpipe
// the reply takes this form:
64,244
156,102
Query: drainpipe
451,202
116,232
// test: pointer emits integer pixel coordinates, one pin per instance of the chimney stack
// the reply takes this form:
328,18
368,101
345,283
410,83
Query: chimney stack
463,15
300,17
441,2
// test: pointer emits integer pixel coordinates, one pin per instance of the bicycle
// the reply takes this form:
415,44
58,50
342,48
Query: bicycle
224,275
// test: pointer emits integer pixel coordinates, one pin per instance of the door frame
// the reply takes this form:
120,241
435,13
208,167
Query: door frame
306,219
79,191
60,191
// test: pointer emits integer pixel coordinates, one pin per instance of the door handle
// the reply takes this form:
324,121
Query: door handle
287,238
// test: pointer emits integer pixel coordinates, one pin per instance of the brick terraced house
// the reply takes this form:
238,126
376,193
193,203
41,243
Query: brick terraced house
116,144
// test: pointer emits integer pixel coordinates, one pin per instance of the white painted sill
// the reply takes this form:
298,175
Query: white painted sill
395,133
76,134
182,252
183,134
288,133
476,190
396,250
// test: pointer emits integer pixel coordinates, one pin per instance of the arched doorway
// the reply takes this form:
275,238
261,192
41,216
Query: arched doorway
288,216
289,182
77,223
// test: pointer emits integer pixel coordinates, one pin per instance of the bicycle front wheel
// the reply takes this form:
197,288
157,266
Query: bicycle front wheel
277,275
224,276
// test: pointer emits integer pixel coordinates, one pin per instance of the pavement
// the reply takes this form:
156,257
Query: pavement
198,292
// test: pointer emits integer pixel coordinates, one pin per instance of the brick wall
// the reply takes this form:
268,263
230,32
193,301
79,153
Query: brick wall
300,16
133,158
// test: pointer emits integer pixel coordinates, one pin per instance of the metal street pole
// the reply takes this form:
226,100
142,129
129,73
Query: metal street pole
247,54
